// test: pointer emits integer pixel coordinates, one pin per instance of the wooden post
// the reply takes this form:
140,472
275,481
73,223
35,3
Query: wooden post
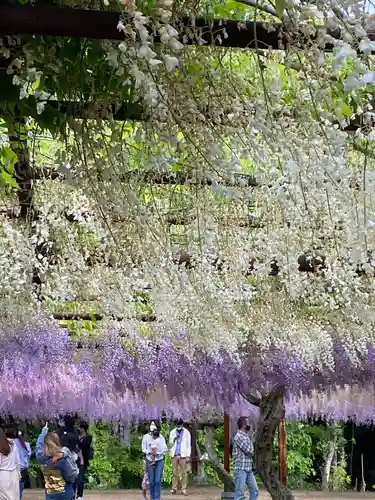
194,453
282,452
226,442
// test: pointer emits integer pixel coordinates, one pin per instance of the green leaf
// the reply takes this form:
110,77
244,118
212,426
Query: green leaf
346,110
8,180
280,7
8,159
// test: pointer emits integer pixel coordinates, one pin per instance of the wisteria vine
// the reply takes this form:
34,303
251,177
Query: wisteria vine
44,374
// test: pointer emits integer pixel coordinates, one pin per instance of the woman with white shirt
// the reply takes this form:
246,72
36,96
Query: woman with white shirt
24,454
9,469
154,447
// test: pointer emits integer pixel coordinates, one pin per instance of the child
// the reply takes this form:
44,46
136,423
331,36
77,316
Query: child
145,483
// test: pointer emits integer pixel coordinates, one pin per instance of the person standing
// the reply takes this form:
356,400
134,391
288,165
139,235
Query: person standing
180,442
24,453
9,469
243,452
86,454
154,449
58,465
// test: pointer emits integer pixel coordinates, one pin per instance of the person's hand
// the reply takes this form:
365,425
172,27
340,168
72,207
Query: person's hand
57,457
45,428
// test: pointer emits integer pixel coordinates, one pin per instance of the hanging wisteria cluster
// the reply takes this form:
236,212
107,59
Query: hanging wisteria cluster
44,374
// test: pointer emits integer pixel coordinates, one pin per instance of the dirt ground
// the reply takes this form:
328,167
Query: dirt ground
200,494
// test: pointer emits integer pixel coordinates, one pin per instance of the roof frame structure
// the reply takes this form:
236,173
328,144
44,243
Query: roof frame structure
80,23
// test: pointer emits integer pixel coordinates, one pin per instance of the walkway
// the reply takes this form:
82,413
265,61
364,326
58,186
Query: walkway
201,494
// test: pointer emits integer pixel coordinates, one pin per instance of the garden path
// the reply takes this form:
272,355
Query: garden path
201,494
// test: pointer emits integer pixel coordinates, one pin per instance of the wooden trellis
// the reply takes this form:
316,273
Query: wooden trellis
78,23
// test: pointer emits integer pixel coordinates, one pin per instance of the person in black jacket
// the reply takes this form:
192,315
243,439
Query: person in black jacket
68,435
86,454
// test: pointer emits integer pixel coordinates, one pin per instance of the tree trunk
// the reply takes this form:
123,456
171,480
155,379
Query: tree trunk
17,134
272,411
328,462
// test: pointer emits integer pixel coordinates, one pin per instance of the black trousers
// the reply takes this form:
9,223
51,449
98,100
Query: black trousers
79,485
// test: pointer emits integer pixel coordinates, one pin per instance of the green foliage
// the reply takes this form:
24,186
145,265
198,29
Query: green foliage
300,464
8,160
118,466
307,446
167,476
114,464
280,7
339,478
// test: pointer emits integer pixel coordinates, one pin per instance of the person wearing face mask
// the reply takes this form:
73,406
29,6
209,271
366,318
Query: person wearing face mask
180,442
154,449
243,452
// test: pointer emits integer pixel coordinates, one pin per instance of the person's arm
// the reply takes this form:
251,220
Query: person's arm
28,449
39,449
244,444
145,449
188,443
162,448
17,459
172,437
62,454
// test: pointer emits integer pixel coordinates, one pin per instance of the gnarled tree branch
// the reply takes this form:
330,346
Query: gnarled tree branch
215,461
272,411
250,398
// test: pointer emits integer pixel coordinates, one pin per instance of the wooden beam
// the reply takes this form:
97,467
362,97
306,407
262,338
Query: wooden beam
17,19
282,452
226,442
147,318
79,23
127,111
76,110
167,178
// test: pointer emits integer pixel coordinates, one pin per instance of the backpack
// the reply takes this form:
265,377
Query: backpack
72,459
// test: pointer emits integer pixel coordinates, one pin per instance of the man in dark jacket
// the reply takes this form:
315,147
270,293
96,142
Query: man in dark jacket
86,454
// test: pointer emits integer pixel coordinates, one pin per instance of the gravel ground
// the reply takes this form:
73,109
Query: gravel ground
200,494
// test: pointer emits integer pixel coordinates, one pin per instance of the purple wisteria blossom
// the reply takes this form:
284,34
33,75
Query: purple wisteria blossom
43,374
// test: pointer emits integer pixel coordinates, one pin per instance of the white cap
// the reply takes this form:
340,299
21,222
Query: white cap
153,426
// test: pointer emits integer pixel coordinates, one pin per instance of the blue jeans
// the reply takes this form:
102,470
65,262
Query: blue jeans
243,478
155,474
